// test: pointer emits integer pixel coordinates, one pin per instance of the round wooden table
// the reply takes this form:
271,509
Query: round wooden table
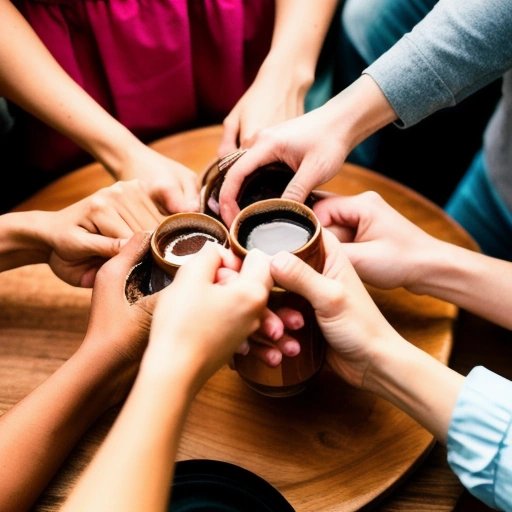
332,448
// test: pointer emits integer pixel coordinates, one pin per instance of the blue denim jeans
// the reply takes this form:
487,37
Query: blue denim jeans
478,207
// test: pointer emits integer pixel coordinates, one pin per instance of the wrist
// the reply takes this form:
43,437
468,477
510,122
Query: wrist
165,367
299,72
439,270
416,383
22,239
361,109
110,375
116,150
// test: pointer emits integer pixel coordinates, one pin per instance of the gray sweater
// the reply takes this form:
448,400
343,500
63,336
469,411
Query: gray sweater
459,47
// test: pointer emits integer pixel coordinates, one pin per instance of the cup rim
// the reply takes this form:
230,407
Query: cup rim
202,217
274,204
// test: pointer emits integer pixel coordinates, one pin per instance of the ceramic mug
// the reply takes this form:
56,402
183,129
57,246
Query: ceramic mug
266,182
179,236
176,239
272,225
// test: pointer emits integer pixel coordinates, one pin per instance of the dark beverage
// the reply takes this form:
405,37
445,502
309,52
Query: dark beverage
272,232
273,225
180,246
277,235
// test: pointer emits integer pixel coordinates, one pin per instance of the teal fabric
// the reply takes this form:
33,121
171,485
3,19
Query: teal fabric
478,207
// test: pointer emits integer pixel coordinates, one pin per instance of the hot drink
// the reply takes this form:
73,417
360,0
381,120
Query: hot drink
271,226
266,182
180,236
182,246
284,231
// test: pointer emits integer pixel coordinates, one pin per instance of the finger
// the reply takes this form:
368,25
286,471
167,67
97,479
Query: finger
246,164
270,355
272,327
291,318
244,348
302,183
341,233
296,276
103,246
190,196
203,266
256,267
136,206
228,142
110,223
288,345
88,277
131,253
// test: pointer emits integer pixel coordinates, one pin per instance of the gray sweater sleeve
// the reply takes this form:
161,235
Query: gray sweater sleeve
459,47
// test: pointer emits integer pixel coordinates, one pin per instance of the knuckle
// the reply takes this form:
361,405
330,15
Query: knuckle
372,197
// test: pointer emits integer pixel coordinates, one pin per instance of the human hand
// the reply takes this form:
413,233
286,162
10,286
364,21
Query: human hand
200,321
273,97
118,331
297,142
171,185
349,319
314,145
274,338
386,249
82,236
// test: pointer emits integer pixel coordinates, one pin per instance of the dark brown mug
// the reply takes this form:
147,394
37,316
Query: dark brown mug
272,225
180,236
176,238
266,182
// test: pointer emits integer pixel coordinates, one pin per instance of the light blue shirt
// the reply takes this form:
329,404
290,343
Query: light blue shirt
480,438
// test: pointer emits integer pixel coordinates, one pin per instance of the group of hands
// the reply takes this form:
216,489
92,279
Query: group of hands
99,239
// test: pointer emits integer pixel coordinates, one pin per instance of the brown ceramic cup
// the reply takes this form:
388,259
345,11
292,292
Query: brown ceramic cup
272,225
176,238
180,236
266,182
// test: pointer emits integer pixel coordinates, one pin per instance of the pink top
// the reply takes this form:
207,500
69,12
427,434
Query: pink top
157,66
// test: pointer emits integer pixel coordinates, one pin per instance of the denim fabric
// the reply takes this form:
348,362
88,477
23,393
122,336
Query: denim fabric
478,207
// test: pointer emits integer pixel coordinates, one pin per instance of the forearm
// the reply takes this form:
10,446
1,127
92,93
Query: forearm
454,51
21,241
32,78
416,383
357,112
299,32
51,419
469,279
134,468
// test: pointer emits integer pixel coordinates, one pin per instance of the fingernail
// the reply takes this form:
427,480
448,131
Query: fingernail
193,205
281,260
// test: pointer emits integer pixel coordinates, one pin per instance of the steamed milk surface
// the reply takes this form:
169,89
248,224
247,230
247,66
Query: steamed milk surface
277,235
183,247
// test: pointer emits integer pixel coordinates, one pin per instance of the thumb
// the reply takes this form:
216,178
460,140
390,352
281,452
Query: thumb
301,184
104,246
296,276
228,142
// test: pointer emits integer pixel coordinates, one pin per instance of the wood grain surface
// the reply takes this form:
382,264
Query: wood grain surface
332,448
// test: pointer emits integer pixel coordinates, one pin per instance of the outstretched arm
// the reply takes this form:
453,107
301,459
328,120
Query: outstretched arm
455,50
76,240
57,413
133,471
286,74
473,415
389,251
32,78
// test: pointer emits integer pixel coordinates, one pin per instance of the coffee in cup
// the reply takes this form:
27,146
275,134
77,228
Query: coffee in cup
274,225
